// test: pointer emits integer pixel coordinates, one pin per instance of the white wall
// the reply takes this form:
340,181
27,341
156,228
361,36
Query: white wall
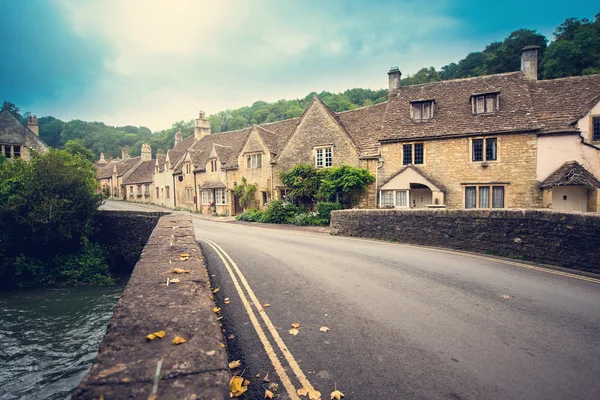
554,151
585,123
569,198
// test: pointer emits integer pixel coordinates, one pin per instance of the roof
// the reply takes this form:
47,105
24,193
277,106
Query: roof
125,166
213,185
160,160
559,103
12,131
570,173
142,174
269,139
228,146
418,171
106,171
179,150
452,108
282,130
364,125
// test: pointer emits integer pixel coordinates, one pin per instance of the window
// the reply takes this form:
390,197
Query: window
189,194
407,154
157,193
479,197
207,196
491,149
220,199
596,128
130,189
254,161
485,103
139,189
393,198
17,151
147,192
213,165
264,198
409,150
188,168
7,151
324,157
421,110
167,189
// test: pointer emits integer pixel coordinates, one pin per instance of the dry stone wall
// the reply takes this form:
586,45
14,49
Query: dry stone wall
569,240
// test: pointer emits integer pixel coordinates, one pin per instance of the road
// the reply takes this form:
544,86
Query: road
404,322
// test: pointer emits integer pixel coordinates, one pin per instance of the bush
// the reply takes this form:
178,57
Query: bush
279,212
325,208
252,215
307,219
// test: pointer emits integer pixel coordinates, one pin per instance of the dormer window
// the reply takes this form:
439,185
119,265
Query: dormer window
188,168
213,165
485,103
421,110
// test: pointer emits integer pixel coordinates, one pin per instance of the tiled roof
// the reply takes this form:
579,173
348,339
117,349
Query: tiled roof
125,166
229,144
106,171
269,139
142,174
452,108
178,151
283,131
12,131
418,171
160,160
213,185
560,102
364,125
570,173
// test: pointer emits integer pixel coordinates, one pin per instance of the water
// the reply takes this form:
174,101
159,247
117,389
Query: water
49,338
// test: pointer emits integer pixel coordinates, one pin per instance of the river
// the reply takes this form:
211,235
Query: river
50,337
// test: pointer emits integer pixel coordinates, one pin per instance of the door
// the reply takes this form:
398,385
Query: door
420,198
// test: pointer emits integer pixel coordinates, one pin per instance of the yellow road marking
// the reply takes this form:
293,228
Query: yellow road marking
283,376
288,356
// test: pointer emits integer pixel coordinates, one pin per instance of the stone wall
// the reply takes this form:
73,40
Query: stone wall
127,362
124,234
569,240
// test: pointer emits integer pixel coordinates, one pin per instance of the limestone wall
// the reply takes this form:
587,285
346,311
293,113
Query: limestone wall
569,240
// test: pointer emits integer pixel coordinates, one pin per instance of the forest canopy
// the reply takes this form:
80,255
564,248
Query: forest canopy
574,50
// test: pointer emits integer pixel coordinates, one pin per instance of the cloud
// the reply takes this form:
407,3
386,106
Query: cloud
164,60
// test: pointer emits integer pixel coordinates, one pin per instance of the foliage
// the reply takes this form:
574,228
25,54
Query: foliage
252,215
279,212
325,208
47,209
76,148
245,193
307,219
302,183
344,180
13,109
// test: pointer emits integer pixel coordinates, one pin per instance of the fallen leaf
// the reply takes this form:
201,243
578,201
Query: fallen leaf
236,386
258,375
296,325
266,305
326,315
222,344
151,337
302,392
181,271
174,280
336,395
231,336
274,387
216,309
235,364
505,296
293,331
226,302
323,329
246,382
211,353
216,290
159,334
178,340
268,394
266,378
314,395
220,318
226,298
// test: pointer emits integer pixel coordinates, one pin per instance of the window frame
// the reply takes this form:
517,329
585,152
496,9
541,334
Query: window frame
213,165
595,128
484,103
417,110
208,196
485,141
220,197
254,161
413,153
491,200
394,197
322,158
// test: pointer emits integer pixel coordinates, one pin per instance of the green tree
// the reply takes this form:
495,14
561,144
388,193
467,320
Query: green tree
302,183
343,184
76,148
245,193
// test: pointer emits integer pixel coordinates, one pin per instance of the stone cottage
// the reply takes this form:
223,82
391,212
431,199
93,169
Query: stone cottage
18,140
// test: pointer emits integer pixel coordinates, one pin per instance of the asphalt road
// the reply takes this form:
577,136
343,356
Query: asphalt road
404,322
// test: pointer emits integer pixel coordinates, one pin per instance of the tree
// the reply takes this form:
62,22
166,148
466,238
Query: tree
14,110
76,148
302,183
245,193
50,130
343,183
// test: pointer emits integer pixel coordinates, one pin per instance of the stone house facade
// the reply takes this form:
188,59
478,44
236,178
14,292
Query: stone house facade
18,140
499,141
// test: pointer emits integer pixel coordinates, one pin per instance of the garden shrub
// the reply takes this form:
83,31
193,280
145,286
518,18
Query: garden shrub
279,212
325,208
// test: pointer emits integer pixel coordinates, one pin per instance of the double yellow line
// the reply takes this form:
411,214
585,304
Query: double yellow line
230,265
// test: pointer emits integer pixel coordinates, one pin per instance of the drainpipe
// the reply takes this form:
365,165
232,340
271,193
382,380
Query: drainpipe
195,192
272,183
379,165
174,191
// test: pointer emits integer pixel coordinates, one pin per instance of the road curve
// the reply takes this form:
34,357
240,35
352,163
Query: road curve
404,322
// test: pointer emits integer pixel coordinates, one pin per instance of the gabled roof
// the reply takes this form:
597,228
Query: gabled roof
419,172
364,125
142,174
283,130
106,171
268,138
559,103
228,146
125,166
12,131
453,114
160,162
178,151
570,173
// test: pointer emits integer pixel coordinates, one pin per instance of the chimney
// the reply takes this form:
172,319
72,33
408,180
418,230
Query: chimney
102,160
124,154
33,125
394,77
529,62
146,153
202,126
178,137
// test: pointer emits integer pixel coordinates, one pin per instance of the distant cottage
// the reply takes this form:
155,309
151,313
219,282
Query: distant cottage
499,141
18,140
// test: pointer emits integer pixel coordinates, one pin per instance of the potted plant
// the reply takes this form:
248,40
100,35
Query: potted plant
213,207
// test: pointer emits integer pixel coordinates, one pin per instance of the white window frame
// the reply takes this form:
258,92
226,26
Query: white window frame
189,192
395,198
220,197
254,161
207,196
324,157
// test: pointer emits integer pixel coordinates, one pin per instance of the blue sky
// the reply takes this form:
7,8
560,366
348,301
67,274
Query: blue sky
149,62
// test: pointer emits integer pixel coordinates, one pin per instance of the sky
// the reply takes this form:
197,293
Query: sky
151,63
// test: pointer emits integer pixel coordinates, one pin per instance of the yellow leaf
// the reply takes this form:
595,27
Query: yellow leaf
505,296
336,395
236,386
314,395
216,290
268,394
295,325
324,329
174,280
246,382
222,344
178,340
258,375
181,271
226,298
266,378
293,331
231,336
160,334
235,364
216,309
184,255
151,336
226,302
302,392
266,305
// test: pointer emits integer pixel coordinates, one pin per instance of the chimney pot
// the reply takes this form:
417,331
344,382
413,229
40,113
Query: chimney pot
529,62
394,76
32,124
